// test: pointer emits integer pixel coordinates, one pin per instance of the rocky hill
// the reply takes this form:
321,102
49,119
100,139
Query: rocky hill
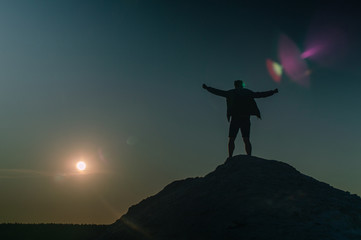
244,198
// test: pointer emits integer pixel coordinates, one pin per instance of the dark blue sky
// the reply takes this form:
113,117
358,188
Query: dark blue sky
118,85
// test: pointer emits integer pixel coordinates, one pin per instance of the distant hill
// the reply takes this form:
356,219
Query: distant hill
244,198
50,231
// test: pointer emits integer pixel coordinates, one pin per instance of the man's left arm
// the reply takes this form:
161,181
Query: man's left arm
264,94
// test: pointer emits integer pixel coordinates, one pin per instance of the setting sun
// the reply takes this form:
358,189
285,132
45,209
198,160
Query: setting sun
81,166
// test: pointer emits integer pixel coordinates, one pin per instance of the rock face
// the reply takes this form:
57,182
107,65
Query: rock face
245,198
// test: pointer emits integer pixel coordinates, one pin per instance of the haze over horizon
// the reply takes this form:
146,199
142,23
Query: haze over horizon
118,86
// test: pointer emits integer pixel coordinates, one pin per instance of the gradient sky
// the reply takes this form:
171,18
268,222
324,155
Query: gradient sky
118,84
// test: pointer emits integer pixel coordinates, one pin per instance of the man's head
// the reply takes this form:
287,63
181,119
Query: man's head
238,84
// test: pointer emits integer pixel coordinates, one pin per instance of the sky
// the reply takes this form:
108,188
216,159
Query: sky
118,85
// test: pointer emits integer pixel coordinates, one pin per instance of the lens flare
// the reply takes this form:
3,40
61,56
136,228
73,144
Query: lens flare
275,70
311,52
332,32
294,65
326,46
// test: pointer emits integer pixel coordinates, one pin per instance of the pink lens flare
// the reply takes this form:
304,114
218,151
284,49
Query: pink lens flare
311,52
293,64
332,31
327,45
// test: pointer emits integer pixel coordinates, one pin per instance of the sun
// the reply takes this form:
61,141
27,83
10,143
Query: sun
81,166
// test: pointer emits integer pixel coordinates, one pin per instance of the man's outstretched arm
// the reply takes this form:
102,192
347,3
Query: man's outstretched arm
215,91
264,94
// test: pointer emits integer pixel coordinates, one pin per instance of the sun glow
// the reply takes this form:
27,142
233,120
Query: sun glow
81,166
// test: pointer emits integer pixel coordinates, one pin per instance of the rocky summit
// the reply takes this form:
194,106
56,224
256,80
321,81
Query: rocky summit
244,198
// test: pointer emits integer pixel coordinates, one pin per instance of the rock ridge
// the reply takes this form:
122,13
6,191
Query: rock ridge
245,198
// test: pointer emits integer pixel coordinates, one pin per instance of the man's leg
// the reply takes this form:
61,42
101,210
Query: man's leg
247,145
231,146
233,130
246,130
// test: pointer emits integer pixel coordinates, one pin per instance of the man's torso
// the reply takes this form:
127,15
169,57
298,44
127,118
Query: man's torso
240,103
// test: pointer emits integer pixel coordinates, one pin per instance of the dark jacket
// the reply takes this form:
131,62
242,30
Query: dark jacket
240,101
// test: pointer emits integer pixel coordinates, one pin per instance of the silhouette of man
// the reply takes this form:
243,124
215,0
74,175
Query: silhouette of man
240,106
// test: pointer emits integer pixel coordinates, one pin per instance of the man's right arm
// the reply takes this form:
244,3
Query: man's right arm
215,91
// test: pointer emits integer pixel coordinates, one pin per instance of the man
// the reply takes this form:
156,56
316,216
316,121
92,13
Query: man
240,106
